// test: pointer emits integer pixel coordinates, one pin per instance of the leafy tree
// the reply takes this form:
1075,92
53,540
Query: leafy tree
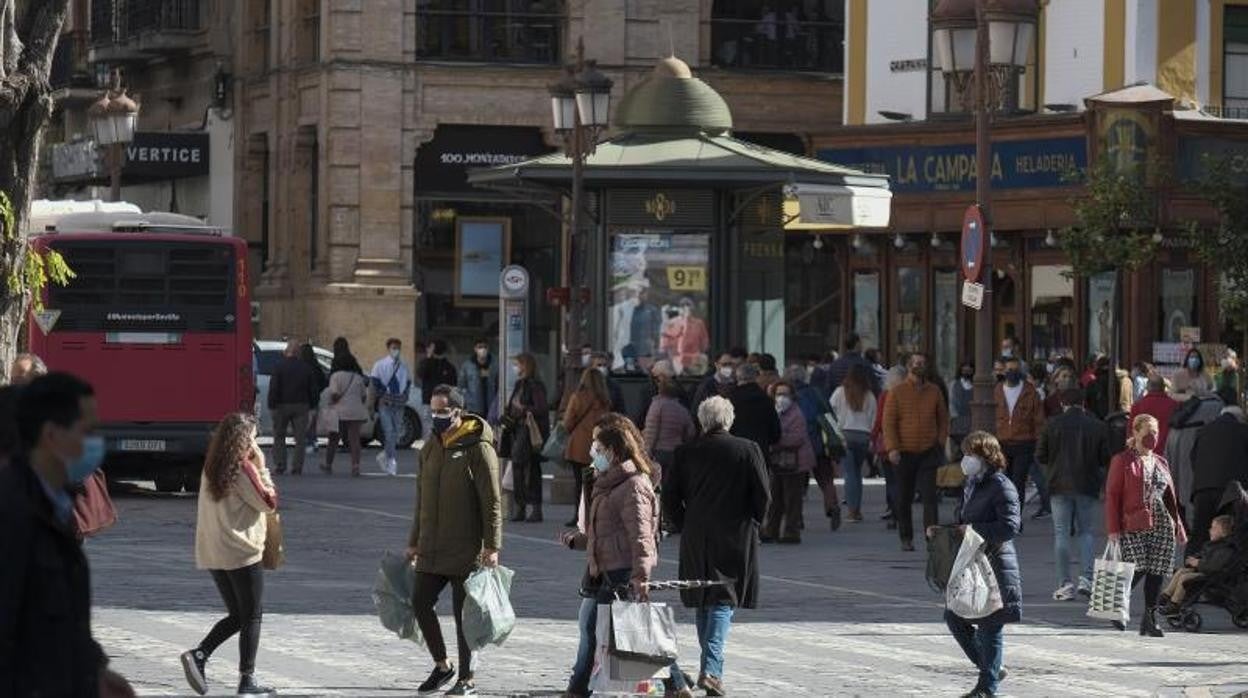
1224,245
29,30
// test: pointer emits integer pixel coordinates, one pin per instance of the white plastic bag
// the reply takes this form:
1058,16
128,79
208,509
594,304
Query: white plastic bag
1111,586
488,617
973,591
507,482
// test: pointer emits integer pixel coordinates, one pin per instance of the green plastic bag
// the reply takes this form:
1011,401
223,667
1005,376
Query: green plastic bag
488,616
392,597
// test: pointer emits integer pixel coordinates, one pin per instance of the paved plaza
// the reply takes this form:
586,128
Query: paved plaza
843,614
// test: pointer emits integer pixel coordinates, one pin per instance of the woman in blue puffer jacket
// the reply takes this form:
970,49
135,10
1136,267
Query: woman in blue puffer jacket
989,506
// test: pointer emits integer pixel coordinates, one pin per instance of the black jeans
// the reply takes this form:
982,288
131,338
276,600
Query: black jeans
1204,508
917,470
241,590
1021,458
424,596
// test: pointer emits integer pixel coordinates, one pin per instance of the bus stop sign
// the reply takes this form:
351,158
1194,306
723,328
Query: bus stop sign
972,242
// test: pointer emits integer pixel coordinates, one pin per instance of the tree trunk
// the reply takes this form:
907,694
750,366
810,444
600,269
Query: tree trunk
29,31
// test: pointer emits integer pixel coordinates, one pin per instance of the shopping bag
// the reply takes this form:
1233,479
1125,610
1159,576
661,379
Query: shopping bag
643,631
613,675
488,617
274,555
508,482
973,591
942,552
93,508
392,596
555,444
1111,586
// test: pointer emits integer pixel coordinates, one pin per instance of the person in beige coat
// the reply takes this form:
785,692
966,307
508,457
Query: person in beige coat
236,497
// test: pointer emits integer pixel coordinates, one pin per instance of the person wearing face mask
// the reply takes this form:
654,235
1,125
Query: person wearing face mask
392,381
620,535
1191,379
230,529
790,465
457,526
916,426
46,647
526,408
961,392
435,370
722,380
588,404
478,379
602,364
990,507
1142,515
1020,421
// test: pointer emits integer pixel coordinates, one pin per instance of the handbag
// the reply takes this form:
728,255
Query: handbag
833,437
274,555
93,508
973,591
556,443
643,632
1111,586
535,432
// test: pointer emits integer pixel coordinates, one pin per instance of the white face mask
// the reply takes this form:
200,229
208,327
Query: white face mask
585,359
394,354
783,402
725,372
972,465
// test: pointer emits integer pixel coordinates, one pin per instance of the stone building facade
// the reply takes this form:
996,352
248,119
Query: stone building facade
336,99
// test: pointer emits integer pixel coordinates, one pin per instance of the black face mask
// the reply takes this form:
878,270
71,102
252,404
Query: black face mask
968,375
1000,377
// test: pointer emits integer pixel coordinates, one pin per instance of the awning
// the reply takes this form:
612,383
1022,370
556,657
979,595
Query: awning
824,207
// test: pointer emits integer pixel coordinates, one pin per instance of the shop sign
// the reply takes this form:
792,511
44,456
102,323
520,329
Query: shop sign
443,163
1024,164
166,155
862,207
1198,153
74,160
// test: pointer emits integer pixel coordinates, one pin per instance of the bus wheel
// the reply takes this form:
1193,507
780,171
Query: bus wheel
190,478
169,479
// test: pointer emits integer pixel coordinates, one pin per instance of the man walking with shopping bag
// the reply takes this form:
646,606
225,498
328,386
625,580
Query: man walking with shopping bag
458,525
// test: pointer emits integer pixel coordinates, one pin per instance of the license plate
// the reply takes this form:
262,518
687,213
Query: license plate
143,445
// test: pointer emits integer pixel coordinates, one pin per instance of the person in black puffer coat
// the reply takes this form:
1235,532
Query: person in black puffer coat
990,506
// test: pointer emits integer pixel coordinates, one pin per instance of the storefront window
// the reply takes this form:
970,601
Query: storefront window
659,301
945,313
812,296
1101,320
909,322
1178,303
867,308
1052,312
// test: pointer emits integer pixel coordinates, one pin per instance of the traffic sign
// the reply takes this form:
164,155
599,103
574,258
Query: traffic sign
973,232
973,295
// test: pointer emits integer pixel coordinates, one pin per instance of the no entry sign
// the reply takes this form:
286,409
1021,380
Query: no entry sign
972,242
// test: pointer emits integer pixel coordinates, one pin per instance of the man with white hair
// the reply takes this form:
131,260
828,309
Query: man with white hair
716,495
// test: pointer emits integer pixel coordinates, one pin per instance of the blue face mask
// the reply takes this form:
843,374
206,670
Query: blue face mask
90,461
599,459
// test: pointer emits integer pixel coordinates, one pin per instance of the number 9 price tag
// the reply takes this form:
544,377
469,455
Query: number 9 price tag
686,278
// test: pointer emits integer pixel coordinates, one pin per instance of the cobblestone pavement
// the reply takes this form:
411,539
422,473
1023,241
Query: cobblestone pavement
843,614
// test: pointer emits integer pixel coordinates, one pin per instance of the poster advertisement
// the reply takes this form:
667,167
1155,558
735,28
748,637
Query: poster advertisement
867,308
1101,320
909,309
1178,303
659,300
481,251
945,312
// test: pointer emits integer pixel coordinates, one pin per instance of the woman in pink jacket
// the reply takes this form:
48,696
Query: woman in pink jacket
790,463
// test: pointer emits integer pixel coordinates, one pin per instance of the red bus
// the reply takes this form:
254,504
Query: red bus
158,319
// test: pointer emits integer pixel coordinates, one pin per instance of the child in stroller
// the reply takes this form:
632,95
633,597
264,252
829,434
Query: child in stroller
1220,575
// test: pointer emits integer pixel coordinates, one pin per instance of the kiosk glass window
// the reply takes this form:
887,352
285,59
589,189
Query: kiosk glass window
945,305
658,306
1052,311
908,321
1177,302
867,308
1102,321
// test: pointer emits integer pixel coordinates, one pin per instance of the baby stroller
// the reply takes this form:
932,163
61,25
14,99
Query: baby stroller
1228,588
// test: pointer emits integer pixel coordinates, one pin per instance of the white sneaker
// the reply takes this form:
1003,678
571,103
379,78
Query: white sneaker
392,467
1065,592
1085,587
381,461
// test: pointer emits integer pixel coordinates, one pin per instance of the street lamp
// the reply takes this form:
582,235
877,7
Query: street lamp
580,105
974,41
113,118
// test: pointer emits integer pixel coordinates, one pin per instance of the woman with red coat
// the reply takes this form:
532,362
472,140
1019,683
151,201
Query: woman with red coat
1142,514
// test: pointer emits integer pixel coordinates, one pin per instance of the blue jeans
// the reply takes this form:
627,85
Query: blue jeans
857,451
713,623
984,645
390,417
1084,510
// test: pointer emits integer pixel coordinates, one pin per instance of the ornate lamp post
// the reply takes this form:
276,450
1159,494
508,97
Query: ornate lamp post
580,104
113,118
975,42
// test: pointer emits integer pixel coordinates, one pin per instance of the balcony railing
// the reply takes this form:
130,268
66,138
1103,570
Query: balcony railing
124,21
1228,111
491,37
778,43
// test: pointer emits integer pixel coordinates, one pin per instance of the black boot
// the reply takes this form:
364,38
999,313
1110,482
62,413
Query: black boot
535,515
1148,624
247,686
517,512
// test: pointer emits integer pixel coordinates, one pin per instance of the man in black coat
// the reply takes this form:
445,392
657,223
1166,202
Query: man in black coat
1219,456
756,417
1073,452
852,357
721,380
292,391
717,495
46,648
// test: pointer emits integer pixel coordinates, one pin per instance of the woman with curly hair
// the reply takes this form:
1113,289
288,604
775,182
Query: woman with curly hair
990,507
236,497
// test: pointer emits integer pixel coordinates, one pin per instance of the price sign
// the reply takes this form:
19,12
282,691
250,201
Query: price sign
686,278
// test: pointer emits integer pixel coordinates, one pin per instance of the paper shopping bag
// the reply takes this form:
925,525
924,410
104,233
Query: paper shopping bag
1111,586
613,675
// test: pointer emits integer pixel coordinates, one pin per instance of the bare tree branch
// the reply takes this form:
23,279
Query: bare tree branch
39,29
